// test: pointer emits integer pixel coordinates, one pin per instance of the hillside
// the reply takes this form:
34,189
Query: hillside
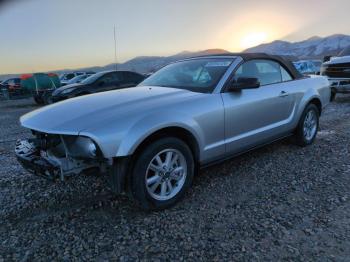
312,48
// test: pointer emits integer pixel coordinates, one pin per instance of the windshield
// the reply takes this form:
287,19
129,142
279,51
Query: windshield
92,79
198,75
78,79
68,76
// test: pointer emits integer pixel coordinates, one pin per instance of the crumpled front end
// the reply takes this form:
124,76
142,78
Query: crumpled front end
59,156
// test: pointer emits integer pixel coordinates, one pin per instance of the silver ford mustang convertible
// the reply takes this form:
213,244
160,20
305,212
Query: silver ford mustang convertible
151,139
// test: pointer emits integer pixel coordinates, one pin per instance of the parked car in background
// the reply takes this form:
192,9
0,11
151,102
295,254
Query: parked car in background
65,78
308,67
337,69
11,88
12,83
99,82
78,79
190,114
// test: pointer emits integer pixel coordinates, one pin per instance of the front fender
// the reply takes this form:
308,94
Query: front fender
155,122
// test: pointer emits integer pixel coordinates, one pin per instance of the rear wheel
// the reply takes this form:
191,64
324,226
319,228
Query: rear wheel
308,126
163,172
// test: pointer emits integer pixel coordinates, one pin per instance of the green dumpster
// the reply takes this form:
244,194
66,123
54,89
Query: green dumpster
40,85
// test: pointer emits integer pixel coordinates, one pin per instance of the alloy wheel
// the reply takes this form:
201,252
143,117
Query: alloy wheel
166,174
310,125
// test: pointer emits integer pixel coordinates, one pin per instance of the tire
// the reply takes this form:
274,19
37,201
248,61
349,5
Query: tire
47,98
38,100
152,197
308,126
333,95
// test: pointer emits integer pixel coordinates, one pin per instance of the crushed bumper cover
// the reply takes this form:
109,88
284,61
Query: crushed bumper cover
29,157
33,159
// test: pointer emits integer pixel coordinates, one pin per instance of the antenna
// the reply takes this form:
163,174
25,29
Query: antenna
115,50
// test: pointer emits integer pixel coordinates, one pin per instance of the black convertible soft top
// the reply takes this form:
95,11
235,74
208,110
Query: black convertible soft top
250,56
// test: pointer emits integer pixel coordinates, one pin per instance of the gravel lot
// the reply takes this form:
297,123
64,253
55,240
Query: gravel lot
281,202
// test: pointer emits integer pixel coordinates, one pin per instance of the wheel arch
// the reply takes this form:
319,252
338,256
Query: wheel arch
173,131
317,102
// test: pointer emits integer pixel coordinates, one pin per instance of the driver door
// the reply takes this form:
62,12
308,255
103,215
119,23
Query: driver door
256,116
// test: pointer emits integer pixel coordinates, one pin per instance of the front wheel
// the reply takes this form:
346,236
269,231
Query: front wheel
38,100
162,174
47,97
308,126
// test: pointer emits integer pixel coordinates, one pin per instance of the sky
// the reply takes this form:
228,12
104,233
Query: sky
44,35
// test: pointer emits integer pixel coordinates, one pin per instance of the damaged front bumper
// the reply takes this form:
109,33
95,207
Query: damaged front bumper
55,157
31,160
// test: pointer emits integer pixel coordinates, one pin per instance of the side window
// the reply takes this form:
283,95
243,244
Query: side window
110,78
134,78
268,72
285,75
69,76
116,77
128,77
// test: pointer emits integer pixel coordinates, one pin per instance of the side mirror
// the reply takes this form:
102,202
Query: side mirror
244,83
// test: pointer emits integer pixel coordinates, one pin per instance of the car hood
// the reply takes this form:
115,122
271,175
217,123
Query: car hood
78,114
60,89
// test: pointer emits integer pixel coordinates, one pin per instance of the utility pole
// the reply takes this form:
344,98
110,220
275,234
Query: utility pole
115,50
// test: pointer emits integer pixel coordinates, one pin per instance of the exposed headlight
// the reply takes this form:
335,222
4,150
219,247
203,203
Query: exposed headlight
81,147
91,149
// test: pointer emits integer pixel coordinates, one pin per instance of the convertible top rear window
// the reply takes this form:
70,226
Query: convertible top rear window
197,75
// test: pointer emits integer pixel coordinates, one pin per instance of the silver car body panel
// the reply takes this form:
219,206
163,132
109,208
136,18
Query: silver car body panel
256,116
222,123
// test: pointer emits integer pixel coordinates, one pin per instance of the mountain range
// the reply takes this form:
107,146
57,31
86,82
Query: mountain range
312,48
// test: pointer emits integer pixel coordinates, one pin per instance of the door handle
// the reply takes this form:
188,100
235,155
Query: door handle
283,94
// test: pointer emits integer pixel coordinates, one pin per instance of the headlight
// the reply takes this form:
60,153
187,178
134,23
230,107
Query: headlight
81,147
91,149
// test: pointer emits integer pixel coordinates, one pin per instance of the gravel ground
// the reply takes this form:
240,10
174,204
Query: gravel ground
281,202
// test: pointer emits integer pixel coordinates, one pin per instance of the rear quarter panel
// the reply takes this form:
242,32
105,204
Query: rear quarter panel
306,89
